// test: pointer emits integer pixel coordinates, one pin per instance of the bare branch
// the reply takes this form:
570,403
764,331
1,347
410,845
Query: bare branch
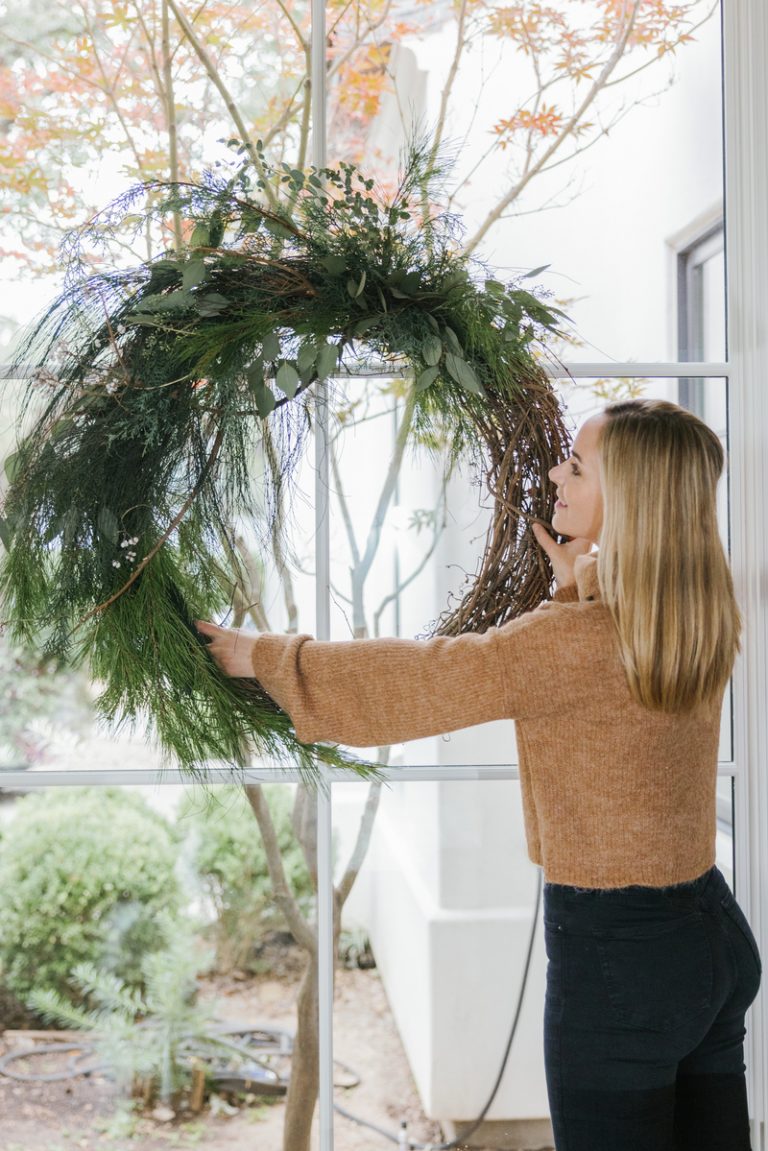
340,495
358,39
385,496
170,119
302,42
278,551
284,898
217,81
607,70
403,584
362,843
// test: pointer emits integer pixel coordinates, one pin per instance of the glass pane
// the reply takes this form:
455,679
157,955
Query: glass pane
445,902
164,895
590,209
725,842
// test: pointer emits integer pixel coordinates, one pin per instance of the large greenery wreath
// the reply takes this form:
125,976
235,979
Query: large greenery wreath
151,389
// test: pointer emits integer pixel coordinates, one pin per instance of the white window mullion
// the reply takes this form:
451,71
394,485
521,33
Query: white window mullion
745,40
325,955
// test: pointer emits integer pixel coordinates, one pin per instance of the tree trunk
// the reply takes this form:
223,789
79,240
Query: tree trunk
305,1062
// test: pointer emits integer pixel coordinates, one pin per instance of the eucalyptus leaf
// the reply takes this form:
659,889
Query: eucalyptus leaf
277,229
172,302
432,350
12,466
452,341
364,325
463,374
336,265
426,378
287,379
355,288
193,273
307,356
265,399
6,536
270,346
536,271
211,304
201,235
327,361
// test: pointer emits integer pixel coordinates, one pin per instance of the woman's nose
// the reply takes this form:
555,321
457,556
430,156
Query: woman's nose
553,473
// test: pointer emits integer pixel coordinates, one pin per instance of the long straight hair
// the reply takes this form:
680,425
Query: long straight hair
662,569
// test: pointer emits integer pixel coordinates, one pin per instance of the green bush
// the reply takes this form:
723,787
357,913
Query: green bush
83,876
224,840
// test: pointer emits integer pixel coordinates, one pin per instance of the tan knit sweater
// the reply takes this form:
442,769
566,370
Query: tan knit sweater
613,794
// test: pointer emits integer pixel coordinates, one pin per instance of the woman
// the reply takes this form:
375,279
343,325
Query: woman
616,687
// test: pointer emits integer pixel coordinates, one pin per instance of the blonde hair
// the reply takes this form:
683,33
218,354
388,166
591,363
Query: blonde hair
662,569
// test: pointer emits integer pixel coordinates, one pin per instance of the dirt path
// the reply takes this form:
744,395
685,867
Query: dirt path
79,1114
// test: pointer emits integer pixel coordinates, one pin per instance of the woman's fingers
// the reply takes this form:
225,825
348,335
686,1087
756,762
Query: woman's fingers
545,540
230,648
561,556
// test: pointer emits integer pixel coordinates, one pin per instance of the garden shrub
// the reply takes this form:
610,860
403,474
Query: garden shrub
225,842
83,876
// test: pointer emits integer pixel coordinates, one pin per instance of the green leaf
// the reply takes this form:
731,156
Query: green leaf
6,535
277,229
108,525
362,326
452,340
265,398
355,289
287,379
432,350
327,361
270,346
495,287
255,372
463,374
193,273
201,235
173,302
12,467
212,304
536,271
426,378
432,323
336,265
306,357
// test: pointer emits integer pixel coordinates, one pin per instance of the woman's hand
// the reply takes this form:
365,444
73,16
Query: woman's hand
562,556
230,648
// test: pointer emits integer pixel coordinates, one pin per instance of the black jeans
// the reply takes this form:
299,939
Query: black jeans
647,989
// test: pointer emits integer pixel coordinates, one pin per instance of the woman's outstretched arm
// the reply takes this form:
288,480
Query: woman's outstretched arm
376,691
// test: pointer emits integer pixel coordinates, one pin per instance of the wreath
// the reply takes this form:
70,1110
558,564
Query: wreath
150,388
